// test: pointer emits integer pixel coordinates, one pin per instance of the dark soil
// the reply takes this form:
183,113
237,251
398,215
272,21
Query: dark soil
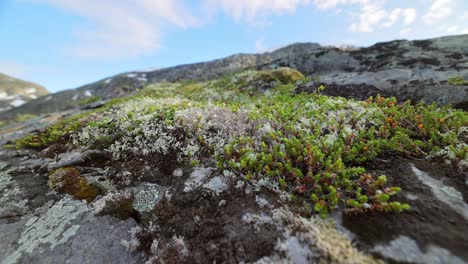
219,236
429,220
356,91
212,232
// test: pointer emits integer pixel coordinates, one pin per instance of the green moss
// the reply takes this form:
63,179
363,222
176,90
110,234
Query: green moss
287,75
282,75
69,180
89,100
41,139
24,117
457,81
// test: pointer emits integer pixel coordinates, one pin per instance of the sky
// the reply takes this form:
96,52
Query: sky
64,44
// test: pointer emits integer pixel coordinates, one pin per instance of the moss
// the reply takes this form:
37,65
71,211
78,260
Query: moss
457,81
54,133
69,180
24,117
287,75
283,75
89,100
327,243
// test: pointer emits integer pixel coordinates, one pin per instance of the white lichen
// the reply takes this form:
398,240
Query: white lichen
404,249
196,178
446,194
216,185
50,229
146,196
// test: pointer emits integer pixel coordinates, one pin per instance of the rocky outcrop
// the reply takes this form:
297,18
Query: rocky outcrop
409,70
237,170
15,92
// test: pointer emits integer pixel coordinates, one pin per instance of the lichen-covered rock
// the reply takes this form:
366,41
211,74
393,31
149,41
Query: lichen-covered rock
11,201
66,232
74,158
69,180
146,196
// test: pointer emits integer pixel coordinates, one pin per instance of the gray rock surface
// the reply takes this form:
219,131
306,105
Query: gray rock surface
38,226
410,70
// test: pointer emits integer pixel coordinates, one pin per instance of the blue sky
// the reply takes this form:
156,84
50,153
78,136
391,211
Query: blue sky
64,44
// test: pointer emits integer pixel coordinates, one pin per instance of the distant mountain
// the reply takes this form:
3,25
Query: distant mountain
15,92
410,70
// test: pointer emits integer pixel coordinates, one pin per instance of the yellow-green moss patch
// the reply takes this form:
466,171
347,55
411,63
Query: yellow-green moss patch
69,180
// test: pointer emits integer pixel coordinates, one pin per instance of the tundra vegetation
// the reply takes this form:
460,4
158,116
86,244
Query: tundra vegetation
309,147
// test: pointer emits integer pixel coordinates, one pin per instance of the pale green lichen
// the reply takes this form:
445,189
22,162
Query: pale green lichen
314,240
11,202
3,165
49,230
5,179
146,196
446,194
406,250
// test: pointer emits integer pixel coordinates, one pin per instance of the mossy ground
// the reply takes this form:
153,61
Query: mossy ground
69,180
457,80
310,146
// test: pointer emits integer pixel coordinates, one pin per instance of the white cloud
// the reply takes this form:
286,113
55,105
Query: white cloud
121,28
439,10
373,14
408,15
328,4
451,29
249,10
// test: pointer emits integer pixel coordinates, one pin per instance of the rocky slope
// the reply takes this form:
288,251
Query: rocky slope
249,167
410,70
15,92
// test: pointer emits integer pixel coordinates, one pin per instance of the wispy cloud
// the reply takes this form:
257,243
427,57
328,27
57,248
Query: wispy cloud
124,28
250,10
372,15
121,28
439,10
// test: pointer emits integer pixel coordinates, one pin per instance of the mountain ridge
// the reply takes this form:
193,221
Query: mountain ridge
15,92
411,70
